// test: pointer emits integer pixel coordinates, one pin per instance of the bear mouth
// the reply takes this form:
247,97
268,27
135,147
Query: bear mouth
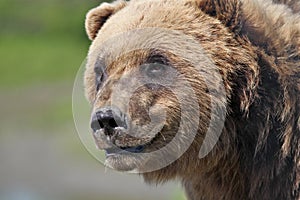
120,142
124,150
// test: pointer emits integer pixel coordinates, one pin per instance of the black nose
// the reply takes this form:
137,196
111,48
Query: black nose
108,119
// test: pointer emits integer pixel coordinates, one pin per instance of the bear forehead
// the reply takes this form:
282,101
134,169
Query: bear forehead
164,16
167,14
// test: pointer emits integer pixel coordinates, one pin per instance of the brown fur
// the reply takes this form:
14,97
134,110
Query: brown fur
256,47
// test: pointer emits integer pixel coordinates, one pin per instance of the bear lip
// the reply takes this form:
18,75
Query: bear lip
120,142
124,150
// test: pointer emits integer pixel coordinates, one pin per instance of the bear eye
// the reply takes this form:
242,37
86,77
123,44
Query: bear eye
155,66
154,69
157,59
100,75
99,81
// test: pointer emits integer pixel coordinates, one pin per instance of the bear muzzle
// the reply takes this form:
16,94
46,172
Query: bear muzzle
110,131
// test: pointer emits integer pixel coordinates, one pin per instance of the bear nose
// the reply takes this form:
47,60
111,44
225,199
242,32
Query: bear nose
108,119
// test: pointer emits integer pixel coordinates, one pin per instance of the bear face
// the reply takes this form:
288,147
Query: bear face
186,89
154,67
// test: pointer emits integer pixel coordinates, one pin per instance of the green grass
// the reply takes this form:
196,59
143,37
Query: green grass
41,41
26,60
178,195
56,17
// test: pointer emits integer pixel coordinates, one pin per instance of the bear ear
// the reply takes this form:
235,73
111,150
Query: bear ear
227,11
97,17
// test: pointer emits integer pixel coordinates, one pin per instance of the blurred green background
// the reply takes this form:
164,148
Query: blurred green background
42,45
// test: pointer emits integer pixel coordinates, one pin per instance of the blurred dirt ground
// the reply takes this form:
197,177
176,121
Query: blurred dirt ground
42,157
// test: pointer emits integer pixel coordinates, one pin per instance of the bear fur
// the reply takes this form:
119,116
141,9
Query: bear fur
255,45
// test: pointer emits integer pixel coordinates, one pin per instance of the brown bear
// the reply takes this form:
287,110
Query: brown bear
206,92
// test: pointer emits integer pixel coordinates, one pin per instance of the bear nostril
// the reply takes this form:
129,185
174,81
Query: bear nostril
101,124
112,123
107,119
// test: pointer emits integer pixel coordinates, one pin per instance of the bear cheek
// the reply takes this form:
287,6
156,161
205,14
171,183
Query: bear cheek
139,105
166,106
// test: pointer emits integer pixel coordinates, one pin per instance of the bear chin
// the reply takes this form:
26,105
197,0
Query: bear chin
127,162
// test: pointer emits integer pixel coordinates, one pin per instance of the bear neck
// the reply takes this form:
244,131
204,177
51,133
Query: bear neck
256,165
